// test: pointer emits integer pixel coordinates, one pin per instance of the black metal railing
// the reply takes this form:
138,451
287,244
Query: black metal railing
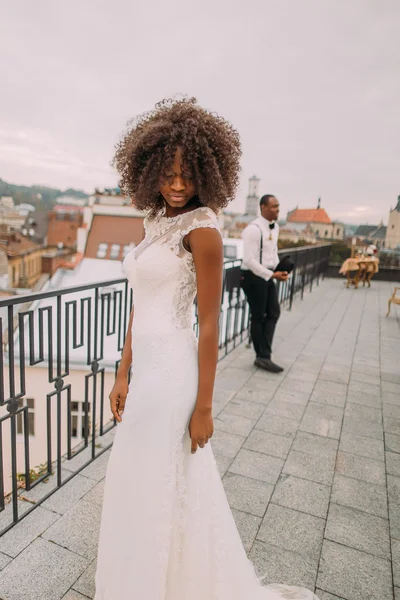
59,354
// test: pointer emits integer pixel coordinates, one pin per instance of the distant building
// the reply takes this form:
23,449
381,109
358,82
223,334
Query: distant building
64,220
113,226
253,198
318,220
7,202
371,234
35,226
393,229
9,215
297,235
363,232
3,270
24,258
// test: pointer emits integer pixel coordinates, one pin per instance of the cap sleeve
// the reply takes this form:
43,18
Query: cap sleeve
203,217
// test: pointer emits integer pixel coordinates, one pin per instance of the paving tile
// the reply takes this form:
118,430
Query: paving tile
393,463
4,560
390,398
391,425
78,529
315,444
393,486
257,466
367,413
359,530
293,394
245,408
97,469
335,375
278,425
329,392
364,399
247,526
360,467
247,495
86,583
43,571
394,518
363,446
324,420
354,575
363,387
27,530
258,392
278,564
236,424
366,378
226,444
289,410
393,388
96,494
72,595
292,530
268,443
308,466
326,596
70,493
361,495
363,427
392,442
300,494
223,463
391,410
396,562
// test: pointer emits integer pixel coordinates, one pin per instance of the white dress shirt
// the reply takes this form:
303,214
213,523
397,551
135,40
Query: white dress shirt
252,244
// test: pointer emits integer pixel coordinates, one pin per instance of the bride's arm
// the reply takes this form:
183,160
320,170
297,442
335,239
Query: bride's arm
126,357
207,250
120,389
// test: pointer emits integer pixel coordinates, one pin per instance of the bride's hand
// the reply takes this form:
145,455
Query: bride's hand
118,396
201,428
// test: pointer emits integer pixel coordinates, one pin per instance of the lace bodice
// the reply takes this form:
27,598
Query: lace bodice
162,273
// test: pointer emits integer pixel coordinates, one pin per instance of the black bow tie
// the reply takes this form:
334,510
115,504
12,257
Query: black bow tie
271,225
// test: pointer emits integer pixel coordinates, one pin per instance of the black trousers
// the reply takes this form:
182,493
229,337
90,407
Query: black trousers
262,297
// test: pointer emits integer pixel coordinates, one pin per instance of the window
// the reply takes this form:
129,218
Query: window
230,251
114,254
127,249
78,419
30,403
338,231
326,233
102,250
317,232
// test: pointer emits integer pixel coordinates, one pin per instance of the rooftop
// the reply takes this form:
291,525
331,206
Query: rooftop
308,215
310,461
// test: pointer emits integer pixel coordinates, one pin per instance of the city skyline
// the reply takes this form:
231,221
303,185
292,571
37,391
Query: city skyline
312,89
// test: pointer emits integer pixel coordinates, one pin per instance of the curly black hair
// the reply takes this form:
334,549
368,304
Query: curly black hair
210,149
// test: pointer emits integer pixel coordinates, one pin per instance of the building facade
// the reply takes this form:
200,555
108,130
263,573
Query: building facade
24,258
392,240
318,220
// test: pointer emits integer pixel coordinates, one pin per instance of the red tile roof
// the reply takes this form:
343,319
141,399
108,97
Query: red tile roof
308,215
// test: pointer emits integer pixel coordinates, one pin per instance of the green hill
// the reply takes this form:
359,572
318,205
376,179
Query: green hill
38,195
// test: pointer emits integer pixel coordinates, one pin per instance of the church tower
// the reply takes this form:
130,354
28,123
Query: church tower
253,198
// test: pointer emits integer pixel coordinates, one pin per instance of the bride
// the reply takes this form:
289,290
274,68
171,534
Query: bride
167,532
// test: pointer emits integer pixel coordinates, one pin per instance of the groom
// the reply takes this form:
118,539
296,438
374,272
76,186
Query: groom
260,258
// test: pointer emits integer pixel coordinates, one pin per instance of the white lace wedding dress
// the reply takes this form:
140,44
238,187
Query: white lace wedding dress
167,532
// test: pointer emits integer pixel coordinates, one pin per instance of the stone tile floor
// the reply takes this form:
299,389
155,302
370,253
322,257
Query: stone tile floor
310,461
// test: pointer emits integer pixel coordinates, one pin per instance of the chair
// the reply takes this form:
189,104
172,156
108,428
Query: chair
395,299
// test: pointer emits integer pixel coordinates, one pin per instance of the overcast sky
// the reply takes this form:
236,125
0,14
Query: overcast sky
313,86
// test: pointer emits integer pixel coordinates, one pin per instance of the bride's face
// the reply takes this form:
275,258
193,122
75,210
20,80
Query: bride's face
176,185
